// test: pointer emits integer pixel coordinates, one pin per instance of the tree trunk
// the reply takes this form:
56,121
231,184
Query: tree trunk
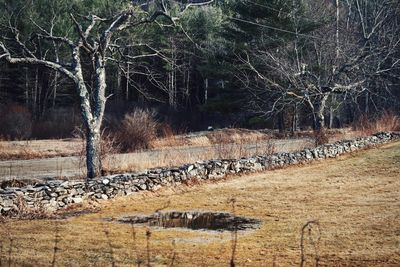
281,122
319,122
319,118
93,163
127,82
205,90
92,115
35,93
172,87
92,131
366,108
93,136
27,99
55,87
295,120
332,111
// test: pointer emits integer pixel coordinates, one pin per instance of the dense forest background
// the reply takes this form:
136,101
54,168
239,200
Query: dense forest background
282,64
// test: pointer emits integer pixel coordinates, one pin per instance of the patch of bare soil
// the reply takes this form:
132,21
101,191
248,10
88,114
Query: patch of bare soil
352,205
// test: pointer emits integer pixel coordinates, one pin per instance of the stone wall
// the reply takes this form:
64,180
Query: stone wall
58,194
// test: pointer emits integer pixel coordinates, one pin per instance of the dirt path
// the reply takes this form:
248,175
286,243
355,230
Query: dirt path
73,166
354,198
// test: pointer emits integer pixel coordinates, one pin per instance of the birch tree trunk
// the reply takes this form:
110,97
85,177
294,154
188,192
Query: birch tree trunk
319,117
93,162
92,113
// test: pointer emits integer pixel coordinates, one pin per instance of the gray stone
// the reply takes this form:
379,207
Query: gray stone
77,200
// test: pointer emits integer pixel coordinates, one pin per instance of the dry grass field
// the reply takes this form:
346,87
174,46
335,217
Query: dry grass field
354,198
64,158
37,149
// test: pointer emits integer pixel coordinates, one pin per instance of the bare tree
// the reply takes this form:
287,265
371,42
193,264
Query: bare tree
344,56
94,37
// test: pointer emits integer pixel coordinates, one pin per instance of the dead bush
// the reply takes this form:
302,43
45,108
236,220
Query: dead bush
320,137
220,137
224,145
12,183
237,143
15,122
165,130
109,145
137,130
168,137
265,147
23,212
386,122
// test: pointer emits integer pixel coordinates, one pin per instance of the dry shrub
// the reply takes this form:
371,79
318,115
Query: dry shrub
321,137
12,183
167,137
166,131
138,129
38,211
386,122
227,148
15,122
23,212
224,146
265,147
220,137
108,145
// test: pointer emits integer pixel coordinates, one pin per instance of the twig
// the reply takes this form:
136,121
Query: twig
1,253
173,258
234,234
134,246
55,248
314,243
165,206
10,250
148,235
107,233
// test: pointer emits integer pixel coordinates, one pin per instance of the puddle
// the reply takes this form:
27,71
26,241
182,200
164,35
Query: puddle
194,220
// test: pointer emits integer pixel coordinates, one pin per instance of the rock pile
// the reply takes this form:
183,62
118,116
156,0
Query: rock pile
58,194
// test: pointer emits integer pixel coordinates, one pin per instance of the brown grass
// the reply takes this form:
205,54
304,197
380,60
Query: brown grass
221,144
227,135
37,149
387,121
21,150
171,158
354,199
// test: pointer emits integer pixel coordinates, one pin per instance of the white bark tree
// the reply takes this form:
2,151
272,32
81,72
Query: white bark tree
93,41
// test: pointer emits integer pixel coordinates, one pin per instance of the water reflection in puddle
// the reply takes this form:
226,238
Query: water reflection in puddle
194,220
